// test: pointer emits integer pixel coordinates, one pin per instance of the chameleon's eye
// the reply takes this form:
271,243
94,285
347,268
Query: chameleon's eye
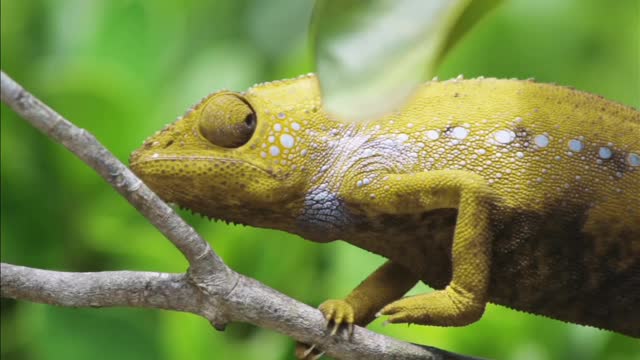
227,120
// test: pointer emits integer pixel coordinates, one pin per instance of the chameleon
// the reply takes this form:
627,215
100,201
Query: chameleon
503,191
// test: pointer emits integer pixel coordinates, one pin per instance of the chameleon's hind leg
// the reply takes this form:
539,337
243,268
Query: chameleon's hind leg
388,283
463,300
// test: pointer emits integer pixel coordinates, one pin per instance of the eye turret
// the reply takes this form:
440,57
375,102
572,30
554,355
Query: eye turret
227,120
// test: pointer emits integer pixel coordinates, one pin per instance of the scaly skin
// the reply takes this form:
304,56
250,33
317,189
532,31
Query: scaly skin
504,191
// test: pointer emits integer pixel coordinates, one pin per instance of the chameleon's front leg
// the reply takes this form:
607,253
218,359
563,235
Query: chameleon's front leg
388,283
463,301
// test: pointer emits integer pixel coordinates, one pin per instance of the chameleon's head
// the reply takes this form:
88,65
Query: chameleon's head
235,156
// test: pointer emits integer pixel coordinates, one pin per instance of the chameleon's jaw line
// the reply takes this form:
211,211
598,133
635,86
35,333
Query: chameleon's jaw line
140,163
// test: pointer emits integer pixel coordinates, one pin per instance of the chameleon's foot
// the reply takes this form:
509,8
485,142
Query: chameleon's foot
442,308
337,313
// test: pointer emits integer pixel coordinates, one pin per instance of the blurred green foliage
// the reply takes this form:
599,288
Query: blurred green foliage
124,68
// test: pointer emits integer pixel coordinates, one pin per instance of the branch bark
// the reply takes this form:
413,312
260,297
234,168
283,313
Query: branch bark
209,288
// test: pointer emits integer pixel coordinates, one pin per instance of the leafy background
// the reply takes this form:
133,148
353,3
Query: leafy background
124,68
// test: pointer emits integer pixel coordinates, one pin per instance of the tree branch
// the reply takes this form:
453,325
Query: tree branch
210,288
100,289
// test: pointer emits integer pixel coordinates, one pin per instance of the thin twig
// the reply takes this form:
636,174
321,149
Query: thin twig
100,289
84,145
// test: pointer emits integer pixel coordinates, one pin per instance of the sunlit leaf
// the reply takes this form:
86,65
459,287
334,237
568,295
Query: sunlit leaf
370,55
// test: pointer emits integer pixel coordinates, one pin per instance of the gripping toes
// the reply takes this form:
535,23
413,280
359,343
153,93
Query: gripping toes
337,313
441,308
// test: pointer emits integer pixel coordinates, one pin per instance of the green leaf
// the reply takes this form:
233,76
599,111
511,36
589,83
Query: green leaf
371,54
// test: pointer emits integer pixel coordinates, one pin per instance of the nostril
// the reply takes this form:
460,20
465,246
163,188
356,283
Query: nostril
169,143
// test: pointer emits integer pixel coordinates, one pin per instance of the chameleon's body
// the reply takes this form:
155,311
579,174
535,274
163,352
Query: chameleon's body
541,184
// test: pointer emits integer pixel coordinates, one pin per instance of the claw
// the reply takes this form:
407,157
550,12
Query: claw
308,351
316,357
336,325
350,330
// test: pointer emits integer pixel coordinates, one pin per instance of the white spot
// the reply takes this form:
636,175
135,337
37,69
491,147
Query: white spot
281,116
633,159
575,145
459,132
367,152
504,136
303,152
366,181
287,141
520,155
605,153
271,139
403,137
481,151
274,150
359,183
409,125
263,155
433,134
541,141
295,126
277,127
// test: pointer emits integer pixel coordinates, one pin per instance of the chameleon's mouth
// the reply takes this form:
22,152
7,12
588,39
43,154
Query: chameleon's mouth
146,165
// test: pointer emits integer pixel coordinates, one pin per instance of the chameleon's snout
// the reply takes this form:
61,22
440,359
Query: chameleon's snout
137,162
140,166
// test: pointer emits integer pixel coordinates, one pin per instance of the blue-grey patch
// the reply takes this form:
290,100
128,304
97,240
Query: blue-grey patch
323,211
575,145
605,153
633,159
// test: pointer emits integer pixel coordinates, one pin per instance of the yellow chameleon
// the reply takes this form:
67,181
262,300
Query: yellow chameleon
512,192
